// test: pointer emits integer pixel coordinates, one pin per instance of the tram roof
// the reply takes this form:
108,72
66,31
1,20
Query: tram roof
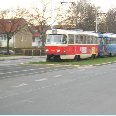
63,31
113,35
105,35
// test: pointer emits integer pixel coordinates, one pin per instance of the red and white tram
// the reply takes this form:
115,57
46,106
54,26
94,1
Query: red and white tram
71,44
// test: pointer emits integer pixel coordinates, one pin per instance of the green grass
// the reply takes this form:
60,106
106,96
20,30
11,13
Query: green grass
1,55
82,62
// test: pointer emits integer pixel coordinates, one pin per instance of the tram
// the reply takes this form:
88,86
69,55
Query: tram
70,44
107,44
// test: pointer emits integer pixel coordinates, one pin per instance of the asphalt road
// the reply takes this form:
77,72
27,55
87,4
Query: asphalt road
55,89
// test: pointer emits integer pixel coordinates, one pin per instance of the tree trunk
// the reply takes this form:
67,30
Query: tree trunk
8,46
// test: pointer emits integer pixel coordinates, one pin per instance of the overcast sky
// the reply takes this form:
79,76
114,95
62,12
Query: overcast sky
105,4
5,4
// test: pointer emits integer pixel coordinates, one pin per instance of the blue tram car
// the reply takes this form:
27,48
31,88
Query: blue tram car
107,44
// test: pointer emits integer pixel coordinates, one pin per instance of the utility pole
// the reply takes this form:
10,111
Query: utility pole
71,3
51,14
97,21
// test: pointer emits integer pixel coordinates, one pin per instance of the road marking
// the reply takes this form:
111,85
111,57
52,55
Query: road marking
21,85
44,79
41,68
56,69
47,67
24,70
32,69
81,69
57,76
16,71
8,72
21,63
2,73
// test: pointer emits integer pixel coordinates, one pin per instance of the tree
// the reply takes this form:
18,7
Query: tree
81,15
111,21
40,18
38,21
10,27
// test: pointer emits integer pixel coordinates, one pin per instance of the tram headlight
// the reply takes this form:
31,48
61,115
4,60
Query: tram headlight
58,50
46,50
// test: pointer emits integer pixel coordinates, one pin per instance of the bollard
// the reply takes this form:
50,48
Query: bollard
40,52
32,53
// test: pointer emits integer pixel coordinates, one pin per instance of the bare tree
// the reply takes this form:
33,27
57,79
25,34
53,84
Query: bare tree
36,17
39,22
111,21
10,26
81,15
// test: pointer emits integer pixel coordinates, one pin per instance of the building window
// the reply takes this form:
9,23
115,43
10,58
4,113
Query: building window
3,37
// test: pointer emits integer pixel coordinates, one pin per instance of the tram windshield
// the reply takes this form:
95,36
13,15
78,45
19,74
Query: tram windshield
56,39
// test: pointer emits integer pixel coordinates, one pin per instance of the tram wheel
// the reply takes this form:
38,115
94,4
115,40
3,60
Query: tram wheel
110,54
48,58
93,56
77,58
57,58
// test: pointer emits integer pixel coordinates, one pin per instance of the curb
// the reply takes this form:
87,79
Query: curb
104,63
17,58
12,59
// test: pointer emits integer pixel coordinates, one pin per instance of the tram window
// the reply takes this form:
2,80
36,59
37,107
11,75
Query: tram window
81,39
64,39
48,39
106,41
113,41
94,40
77,38
88,39
84,39
109,40
91,40
71,39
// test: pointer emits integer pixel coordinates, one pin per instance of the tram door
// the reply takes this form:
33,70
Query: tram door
102,47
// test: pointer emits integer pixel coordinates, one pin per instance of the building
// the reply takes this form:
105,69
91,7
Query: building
37,42
21,36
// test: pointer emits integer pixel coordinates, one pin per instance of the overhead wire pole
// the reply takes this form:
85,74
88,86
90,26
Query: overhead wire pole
64,2
96,27
52,14
96,24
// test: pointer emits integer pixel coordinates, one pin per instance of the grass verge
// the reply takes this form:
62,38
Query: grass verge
82,62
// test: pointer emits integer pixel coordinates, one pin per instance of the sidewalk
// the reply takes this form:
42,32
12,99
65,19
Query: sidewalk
19,57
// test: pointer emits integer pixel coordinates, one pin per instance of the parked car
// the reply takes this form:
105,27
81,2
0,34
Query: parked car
11,52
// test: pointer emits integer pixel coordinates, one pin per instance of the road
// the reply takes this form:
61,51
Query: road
14,60
55,89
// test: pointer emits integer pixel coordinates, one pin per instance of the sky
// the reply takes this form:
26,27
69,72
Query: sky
104,4
5,4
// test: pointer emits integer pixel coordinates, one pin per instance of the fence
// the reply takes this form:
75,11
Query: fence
28,51
33,52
